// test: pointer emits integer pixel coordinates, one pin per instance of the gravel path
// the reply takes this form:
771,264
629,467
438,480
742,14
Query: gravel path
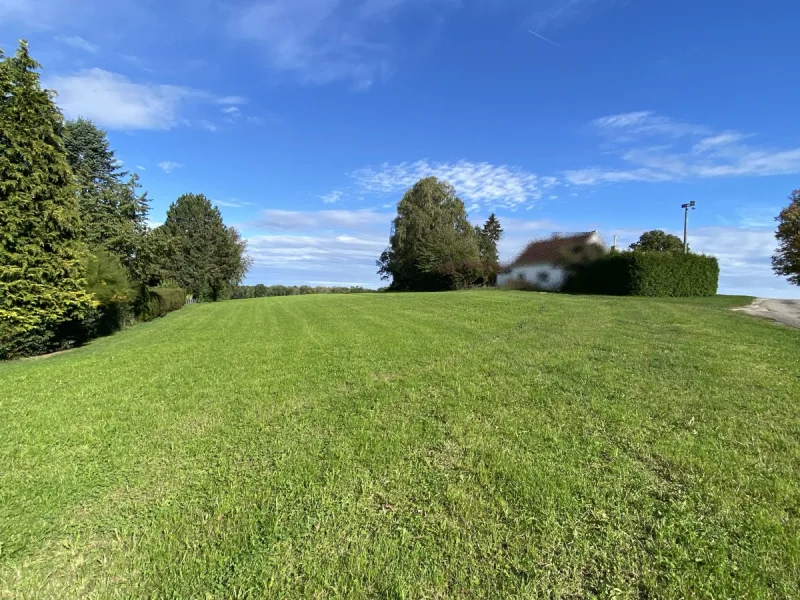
782,311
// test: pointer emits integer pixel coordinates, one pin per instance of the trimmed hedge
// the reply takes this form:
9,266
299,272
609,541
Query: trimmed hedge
158,301
647,274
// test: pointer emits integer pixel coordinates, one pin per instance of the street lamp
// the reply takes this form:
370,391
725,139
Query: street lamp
686,208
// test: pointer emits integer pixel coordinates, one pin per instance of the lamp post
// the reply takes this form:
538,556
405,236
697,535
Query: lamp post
686,208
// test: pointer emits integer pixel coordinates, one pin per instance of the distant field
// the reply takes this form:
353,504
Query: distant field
476,444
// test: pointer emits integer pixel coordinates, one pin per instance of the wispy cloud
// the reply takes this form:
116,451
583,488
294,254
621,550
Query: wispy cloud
726,138
79,43
645,146
232,203
140,168
231,100
482,184
557,13
333,197
322,41
168,166
655,148
115,102
645,122
324,245
36,14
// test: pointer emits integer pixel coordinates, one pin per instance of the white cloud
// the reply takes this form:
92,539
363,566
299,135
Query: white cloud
482,184
78,43
320,252
333,197
141,168
690,151
231,110
114,101
168,166
745,259
291,220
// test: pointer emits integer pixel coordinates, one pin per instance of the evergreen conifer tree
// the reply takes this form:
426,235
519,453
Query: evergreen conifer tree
41,268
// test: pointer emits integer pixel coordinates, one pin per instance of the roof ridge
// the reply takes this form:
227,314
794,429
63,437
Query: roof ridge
552,249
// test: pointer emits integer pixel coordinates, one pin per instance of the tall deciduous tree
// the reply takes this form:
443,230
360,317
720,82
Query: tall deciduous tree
203,255
786,260
41,268
658,241
432,245
112,209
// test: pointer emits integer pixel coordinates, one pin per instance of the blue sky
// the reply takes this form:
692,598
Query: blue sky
305,120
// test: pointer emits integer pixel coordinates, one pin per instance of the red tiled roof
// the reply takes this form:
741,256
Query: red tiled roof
554,249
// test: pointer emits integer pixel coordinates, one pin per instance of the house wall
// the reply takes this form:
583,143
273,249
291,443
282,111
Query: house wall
556,276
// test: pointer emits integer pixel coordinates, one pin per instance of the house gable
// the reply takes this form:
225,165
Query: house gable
559,249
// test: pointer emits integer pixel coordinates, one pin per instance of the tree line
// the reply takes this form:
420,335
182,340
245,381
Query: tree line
433,246
77,258
268,291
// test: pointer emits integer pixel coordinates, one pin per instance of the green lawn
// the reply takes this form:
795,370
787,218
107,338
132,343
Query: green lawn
475,444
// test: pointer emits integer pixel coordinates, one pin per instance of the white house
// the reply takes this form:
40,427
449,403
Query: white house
543,264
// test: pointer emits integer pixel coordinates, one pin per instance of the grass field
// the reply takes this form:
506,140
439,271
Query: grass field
476,444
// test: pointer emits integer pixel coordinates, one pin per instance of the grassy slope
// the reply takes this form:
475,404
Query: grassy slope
466,444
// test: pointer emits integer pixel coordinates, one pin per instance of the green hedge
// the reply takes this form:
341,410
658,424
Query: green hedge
158,301
647,274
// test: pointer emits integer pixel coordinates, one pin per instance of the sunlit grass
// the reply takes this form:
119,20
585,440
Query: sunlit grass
476,444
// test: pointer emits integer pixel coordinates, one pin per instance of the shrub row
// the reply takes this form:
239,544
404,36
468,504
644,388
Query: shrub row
647,274
156,302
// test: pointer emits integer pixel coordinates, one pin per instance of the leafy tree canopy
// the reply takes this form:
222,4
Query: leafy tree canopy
786,260
658,241
432,245
202,255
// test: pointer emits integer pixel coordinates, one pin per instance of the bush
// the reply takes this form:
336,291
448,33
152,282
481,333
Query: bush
108,283
647,274
156,302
